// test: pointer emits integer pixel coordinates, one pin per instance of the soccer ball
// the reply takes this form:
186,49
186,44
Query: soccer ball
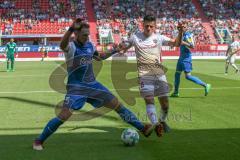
130,137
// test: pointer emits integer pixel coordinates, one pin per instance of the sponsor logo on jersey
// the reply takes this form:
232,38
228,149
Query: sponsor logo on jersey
89,50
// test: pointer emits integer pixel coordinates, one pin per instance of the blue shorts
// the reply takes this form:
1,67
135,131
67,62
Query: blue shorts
184,66
95,94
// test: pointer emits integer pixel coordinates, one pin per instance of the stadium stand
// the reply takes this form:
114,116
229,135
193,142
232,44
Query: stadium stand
209,19
223,15
123,16
40,17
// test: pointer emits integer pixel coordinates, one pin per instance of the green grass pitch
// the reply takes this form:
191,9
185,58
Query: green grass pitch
202,127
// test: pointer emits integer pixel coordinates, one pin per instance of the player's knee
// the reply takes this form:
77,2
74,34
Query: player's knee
149,100
187,76
164,101
65,114
114,104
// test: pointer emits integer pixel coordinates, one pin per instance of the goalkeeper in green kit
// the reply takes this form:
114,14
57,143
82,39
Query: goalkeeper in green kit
10,51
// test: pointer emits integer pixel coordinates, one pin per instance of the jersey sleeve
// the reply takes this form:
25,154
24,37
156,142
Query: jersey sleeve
164,40
68,47
130,42
6,48
190,40
69,51
93,48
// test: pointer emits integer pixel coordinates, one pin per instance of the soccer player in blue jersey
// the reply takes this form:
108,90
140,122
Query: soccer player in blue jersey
82,86
185,64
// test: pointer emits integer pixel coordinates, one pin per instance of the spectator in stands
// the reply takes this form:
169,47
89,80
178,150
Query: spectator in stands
35,42
223,14
122,13
64,11
7,4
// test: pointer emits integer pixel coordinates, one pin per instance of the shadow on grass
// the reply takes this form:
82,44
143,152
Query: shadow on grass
81,116
103,143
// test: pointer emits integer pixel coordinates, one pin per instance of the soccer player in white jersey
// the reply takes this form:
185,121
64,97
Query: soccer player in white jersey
233,48
153,82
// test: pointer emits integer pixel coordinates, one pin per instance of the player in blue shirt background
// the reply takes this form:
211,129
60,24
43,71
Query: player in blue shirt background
185,64
82,86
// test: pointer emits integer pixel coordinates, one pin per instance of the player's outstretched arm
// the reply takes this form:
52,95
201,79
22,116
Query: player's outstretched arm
177,42
65,40
125,46
227,52
237,51
106,55
187,44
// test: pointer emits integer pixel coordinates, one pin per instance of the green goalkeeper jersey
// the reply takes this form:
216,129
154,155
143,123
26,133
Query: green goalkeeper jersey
11,48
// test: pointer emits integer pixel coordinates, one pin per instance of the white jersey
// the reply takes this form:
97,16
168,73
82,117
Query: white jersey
148,53
233,47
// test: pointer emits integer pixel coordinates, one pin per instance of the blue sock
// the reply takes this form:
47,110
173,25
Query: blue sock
50,128
177,81
129,117
195,80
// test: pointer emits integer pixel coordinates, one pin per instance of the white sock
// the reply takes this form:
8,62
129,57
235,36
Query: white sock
234,66
152,114
163,115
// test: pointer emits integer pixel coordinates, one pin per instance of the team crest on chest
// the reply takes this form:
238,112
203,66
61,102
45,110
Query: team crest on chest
89,50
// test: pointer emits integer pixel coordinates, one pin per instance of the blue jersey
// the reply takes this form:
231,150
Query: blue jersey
185,58
81,85
79,61
185,53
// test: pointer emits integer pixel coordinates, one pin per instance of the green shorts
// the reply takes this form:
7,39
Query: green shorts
10,57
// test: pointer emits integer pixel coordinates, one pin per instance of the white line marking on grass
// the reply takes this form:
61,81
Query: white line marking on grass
51,91
27,92
31,75
217,88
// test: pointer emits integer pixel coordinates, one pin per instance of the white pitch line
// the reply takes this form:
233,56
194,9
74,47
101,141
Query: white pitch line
31,75
27,92
51,91
218,88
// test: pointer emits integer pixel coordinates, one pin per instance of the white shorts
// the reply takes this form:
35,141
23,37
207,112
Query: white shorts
231,58
154,86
